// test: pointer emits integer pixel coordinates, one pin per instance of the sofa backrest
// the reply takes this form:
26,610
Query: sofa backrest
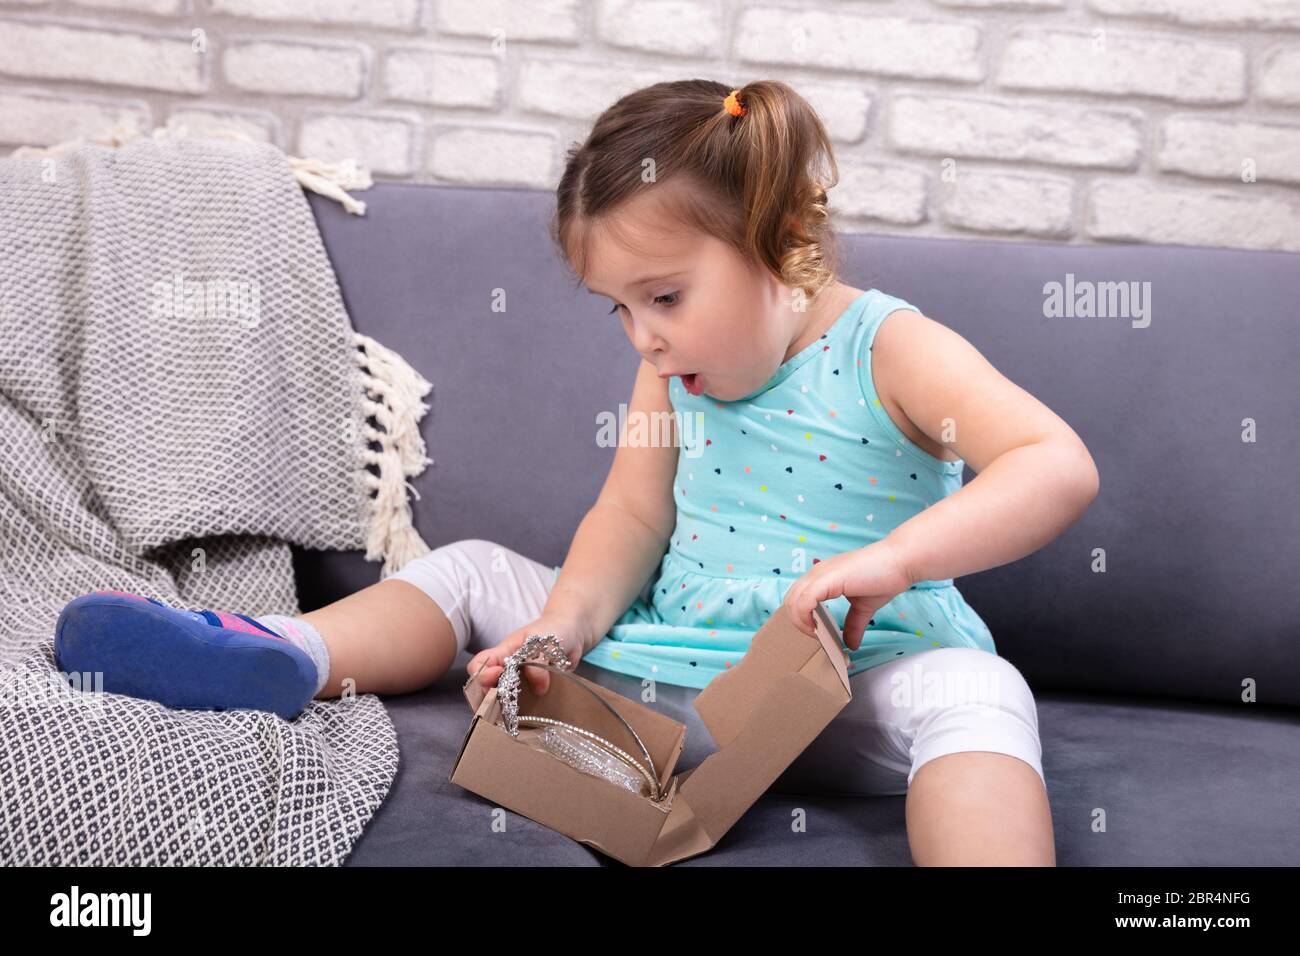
1199,529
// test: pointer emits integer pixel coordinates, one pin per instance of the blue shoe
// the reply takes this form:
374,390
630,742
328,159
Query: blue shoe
188,660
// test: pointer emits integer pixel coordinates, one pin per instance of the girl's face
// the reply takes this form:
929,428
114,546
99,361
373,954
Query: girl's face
692,304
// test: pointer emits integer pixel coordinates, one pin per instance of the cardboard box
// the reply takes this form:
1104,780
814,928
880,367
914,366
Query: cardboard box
762,713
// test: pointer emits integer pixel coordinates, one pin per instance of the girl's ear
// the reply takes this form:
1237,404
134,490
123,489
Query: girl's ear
783,296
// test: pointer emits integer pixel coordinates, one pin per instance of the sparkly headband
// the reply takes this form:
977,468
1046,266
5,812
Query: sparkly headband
573,745
732,104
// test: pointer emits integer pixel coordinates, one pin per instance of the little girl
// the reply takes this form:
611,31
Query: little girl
834,424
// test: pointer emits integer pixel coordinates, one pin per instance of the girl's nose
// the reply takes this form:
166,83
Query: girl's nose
646,342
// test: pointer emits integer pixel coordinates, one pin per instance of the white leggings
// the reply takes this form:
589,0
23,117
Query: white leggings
903,713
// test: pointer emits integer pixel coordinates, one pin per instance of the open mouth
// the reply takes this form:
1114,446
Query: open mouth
692,383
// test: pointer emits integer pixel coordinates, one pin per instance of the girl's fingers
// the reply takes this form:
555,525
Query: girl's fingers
793,615
802,618
491,671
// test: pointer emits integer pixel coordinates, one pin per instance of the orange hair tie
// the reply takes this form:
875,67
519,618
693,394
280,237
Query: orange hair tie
733,104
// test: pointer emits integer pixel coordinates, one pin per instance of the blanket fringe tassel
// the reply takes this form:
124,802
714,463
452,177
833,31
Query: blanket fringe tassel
394,392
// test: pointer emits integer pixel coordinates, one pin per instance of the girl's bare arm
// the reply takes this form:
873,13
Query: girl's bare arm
623,536
1035,476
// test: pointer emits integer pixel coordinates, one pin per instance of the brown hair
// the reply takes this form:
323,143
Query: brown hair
756,181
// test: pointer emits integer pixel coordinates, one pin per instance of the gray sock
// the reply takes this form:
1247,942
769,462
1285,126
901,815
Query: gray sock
306,637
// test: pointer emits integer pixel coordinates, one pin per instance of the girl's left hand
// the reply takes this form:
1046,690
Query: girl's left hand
869,577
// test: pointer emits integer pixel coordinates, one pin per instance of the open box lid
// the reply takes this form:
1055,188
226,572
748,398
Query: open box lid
762,713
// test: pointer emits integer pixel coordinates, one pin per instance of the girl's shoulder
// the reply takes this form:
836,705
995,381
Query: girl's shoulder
900,337
919,363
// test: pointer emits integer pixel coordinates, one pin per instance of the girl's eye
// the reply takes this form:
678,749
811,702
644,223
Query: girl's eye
667,295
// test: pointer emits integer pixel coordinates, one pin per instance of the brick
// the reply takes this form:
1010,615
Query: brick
1246,216
1279,76
258,125
39,49
1008,202
483,156
887,192
390,14
386,144
576,90
1016,131
663,26
559,21
888,46
44,119
843,108
442,78
306,69
1003,4
1190,71
1251,14
1201,146
163,7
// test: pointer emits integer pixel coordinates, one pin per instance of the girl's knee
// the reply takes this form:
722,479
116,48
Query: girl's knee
465,552
449,570
980,702
968,675
482,553
476,546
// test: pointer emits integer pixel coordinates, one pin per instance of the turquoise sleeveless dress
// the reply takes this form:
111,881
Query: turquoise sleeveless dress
808,466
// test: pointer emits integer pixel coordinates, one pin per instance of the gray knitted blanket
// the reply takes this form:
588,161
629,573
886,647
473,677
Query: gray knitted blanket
182,396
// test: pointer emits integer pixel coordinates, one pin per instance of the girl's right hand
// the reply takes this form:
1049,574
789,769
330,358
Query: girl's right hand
570,633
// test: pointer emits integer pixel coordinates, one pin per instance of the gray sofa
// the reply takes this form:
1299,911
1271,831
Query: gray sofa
1152,756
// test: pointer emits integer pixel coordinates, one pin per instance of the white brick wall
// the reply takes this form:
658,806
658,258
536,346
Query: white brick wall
1076,121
